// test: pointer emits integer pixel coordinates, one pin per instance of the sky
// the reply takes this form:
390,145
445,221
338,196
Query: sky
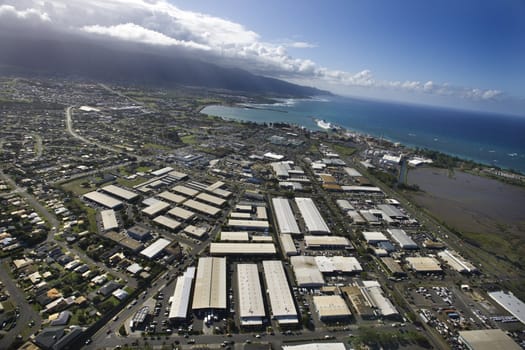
464,54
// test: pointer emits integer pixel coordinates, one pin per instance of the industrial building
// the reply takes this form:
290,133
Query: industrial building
373,293
285,216
251,304
195,231
252,225
242,249
202,208
331,307
338,264
109,219
316,346
186,191
393,266
401,237
204,197
235,236
344,205
156,208
180,300
281,300
362,189
487,339
313,220
424,264
172,197
210,284
455,261
167,222
306,272
154,249
181,213
103,200
140,233
509,302
358,301
120,192
327,242
392,212
374,237
287,245
352,172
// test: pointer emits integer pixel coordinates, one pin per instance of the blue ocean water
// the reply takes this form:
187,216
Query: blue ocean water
491,139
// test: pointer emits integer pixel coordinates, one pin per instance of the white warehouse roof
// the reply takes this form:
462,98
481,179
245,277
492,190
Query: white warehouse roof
509,302
181,296
210,284
156,208
120,192
281,300
457,262
189,192
332,264
401,237
103,199
167,222
181,213
285,216
251,305
242,248
211,199
155,248
331,306
172,197
201,207
235,236
306,272
316,346
374,237
109,220
287,244
326,241
312,218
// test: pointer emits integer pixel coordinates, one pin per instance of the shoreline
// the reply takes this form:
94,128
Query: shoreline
359,133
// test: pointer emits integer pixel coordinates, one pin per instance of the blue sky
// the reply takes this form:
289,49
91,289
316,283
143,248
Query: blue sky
454,53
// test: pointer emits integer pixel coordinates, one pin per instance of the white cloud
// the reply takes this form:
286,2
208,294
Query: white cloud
157,22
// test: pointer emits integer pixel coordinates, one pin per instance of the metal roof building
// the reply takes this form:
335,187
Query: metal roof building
458,263
181,213
235,236
352,172
281,300
392,211
103,199
109,219
195,231
156,208
287,245
285,216
487,339
327,242
316,346
424,264
201,207
401,237
374,294
306,271
180,299
249,224
345,264
251,305
120,192
344,205
167,222
161,171
312,218
208,198
155,248
172,197
214,186
331,307
373,237
242,248
188,192
210,284
261,213
362,189
509,302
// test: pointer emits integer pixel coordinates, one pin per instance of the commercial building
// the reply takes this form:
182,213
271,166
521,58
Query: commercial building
281,301
331,307
242,249
154,249
313,220
401,237
109,219
180,299
103,200
210,284
487,339
327,242
140,233
338,264
424,264
285,216
306,272
251,304
287,245
167,222
120,192
509,302
202,208
252,225
455,261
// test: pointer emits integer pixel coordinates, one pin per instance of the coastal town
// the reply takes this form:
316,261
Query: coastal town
131,220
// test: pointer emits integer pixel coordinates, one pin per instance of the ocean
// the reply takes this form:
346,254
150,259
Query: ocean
491,139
